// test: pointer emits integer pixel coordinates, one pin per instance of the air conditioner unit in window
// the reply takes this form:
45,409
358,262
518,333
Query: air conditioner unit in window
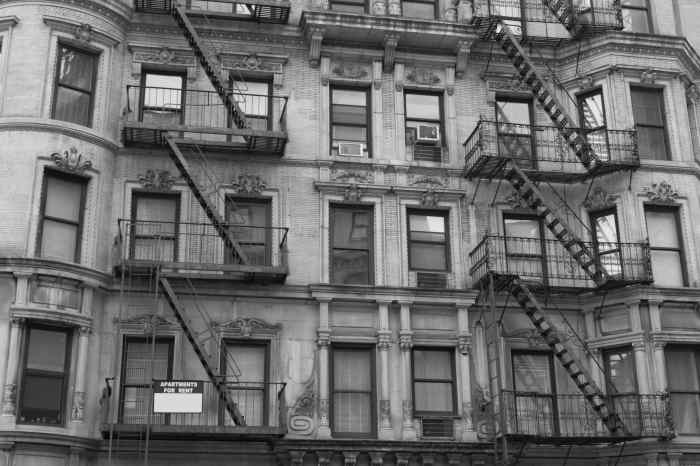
431,280
427,133
437,427
352,149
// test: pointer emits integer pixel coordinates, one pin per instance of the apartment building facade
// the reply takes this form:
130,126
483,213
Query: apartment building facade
311,209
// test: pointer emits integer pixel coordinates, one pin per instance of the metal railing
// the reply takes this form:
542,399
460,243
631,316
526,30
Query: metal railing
199,244
549,263
262,404
243,9
179,108
545,415
544,148
592,13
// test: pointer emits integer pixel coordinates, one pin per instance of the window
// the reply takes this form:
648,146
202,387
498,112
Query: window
607,241
515,137
534,392
621,380
351,245
350,122
424,128
74,85
249,222
422,9
648,111
349,6
61,224
428,241
352,391
45,376
162,98
155,226
255,99
635,16
247,366
683,374
433,381
665,242
143,360
592,117
525,246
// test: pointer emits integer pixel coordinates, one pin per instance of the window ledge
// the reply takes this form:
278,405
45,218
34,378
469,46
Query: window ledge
45,313
56,126
29,265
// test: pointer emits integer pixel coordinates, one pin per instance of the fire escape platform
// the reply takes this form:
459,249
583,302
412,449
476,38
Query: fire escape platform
189,432
260,11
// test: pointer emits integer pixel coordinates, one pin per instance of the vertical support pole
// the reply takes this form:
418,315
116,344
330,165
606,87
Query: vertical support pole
377,142
9,396
324,334
464,345
660,379
399,119
384,345
78,409
408,430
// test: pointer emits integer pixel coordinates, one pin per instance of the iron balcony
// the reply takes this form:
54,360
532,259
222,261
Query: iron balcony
263,11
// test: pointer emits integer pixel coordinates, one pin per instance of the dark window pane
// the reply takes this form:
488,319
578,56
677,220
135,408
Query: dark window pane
41,399
434,396
428,256
351,229
352,391
349,115
72,106
59,240
47,350
352,413
350,267
76,69
634,20
348,8
647,106
157,209
432,364
349,97
531,373
423,106
522,228
142,358
620,372
652,143
349,133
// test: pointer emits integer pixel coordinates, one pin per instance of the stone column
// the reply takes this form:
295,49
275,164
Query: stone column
9,396
324,338
596,373
78,411
640,362
408,430
399,117
464,346
22,288
660,383
450,114
377,142
384,345
655,315
6,453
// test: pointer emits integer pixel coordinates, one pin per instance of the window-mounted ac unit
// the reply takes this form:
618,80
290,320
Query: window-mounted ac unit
351,149
428,133
437,427
431,280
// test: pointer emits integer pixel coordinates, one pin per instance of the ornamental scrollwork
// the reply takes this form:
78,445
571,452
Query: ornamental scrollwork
249,184
661,192
160,180
350,70
599,199
70,160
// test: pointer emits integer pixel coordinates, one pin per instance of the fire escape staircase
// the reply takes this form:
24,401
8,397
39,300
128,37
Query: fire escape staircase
496,29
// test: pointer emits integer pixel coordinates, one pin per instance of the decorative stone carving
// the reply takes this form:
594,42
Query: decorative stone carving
463,48
599,199
162,55
253,62
395,7
315,46
464,344
350,70
353,193
302,413
384,340
407,411
324,337
467,415
661,192
71,161
648,76
157,180
350,457
406,340
428,459
348,176
9,399
323,412
692,92
515,201
390,43
376,458
78,411
83,32
297,457
247,326
429,198
379,7
422,76
429,181
585,81
402,459
249,184
146,322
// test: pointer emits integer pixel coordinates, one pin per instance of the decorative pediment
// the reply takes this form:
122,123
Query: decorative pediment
348,70
157,180
352,193
249,184
162,55
504,83
429,198
248,326
428,181
352,176
254,62
81,32
599,199
71,160
515,201
661,192
146,323
423,76
585,81
648,76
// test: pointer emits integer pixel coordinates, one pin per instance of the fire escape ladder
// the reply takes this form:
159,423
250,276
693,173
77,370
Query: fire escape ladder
219,225
207,60
593,394
217,380
581,253
565,12
528,74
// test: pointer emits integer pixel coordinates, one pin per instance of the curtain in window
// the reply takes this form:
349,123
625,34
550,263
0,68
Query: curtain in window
248,389
648,111
352,391
351,246
74,86
432,372
533,386
665,247
142,363
155,228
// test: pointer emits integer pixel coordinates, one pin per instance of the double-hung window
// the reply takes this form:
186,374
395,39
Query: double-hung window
433,382
428,248
607,241
421,9
45,375
683,381
254,97
352,391
350,116
351,245
424,126
247,364
621,380
525,246
648,112
61,223
515,131
592,117
155,226
249,222
349,6
74,85
635,16
666,244
534,393
163,98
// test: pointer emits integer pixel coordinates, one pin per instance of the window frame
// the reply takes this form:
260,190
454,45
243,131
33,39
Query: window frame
593,216
675,210
260,80
368,118
606,368
56,84
367,208
261,201
371,350
445,214
450,351
42,210
122,372
436,10
442,142
580,99
542,239
135,195
691,349
341,2
556,428
183,91
645,8
532,162
660,91
257,343
68,331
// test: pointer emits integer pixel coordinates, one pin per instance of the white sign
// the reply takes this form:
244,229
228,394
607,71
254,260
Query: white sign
177,396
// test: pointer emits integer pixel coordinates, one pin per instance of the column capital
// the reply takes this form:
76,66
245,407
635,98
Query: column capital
84,331
464,343
454,458
402,459
324,337
17,322
297,457
350,457
323,299
384,340
376,458
324,457
639,345
428,459
405,340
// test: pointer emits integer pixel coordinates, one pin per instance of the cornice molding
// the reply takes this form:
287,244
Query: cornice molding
7,22
29,266
115,11
81,31
55,126
51,315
